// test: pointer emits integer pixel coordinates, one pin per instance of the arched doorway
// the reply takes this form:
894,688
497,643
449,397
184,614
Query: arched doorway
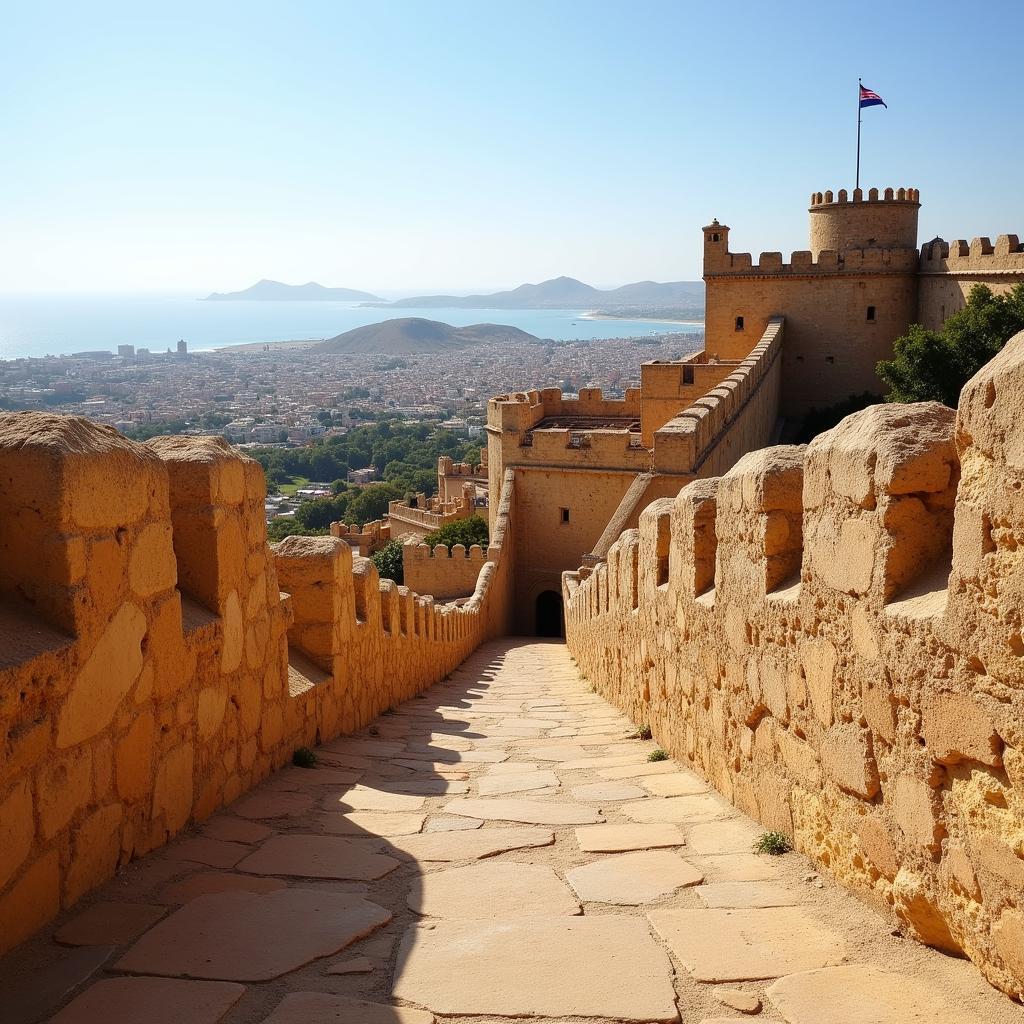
549,613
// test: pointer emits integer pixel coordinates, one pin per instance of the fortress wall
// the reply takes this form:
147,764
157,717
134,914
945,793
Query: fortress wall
668,388
889,222
950,270
831,635
441,573
735,417
151,670
406,521
834,306
366,539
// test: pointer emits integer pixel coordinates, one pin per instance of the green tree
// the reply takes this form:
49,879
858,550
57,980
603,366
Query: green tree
389,561
463,531
934,365
286,526
370,502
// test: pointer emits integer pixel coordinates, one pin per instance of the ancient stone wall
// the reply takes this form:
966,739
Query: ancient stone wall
151,669
366,539
430,513
950,270
832,636
440,572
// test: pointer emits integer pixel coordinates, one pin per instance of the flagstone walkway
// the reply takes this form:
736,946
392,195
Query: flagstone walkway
499,847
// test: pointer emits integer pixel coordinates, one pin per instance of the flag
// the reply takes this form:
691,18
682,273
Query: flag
868,98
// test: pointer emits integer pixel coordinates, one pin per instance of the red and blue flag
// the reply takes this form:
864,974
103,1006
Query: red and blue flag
869,98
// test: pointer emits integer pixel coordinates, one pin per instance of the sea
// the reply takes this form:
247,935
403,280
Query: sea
41,325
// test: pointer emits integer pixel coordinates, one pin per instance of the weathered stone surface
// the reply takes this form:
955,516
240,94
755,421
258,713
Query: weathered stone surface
744,945
317,857
633,878
225,935
355,965
105,678
617,838
640,770
499,890
507,782
203,883
674,784
745,895
324,1008
214,852
679,809
736,867
267,804
153,1000
372,823
611,792
722,837
862,994
363,798
232,830
31,996
450,823
466,845
529,811
737,999
109,924
519,969
956,729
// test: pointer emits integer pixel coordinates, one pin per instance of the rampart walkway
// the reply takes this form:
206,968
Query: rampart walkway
497,848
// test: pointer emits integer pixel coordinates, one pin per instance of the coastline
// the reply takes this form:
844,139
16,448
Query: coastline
259,346
597,315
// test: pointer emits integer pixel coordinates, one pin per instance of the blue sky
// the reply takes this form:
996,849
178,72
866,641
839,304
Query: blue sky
402,146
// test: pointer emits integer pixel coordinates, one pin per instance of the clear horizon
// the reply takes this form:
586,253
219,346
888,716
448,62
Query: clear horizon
458,149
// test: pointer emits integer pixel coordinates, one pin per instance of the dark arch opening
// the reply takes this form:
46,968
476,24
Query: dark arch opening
549,613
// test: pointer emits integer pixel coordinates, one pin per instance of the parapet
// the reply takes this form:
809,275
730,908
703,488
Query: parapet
830,635
522,410
977,257
840,223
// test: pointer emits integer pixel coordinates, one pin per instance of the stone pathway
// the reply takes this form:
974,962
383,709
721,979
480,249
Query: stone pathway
500,847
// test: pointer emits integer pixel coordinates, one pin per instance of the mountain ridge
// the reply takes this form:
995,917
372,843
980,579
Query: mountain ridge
266,290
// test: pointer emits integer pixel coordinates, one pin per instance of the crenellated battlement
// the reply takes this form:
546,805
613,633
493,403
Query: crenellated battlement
366,539
161,658
890,195
830,635
446,574
430,514
524,409
803,263
979,256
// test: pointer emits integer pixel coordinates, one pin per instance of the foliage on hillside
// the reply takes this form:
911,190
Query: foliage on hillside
935,365
389,561
463,531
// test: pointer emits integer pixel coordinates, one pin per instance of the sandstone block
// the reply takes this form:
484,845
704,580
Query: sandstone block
819,659
95,849
1008,936
848,759
17,828
919,910
32,901
152,567
914,810
65,786
956,729
878,846
234,634
172,794
104,679
133,759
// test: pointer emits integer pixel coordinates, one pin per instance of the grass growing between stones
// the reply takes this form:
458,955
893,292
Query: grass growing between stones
773,843
657,755
304,758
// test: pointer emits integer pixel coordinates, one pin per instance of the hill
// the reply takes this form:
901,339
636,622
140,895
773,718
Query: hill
275,291
568,293
411,335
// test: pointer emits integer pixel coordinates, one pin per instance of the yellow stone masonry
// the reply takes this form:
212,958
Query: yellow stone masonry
152,669
831,635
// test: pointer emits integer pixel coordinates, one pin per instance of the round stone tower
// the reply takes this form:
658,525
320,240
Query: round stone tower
889,222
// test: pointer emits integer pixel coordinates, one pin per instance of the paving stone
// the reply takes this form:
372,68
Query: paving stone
214,853
204,882
674,784
734,836
633,878
267,804
375,823
303,856
507,782
109,924
450,823
737,999
235,830
365,747
863,994
639,771
616,838
324,1008
240,936
604,761
152,1000
512,768
737,867
502,889
32,995
725,1020
530,811
363,798
744,945
472,845
521,968
321,775
681,809
357,965
745,895
607,791
556,752
428,786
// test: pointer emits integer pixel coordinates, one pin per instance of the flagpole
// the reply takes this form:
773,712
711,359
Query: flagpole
857,184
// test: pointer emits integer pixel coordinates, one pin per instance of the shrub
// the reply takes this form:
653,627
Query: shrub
657,755
463,531
643,733
389,561
773,843
304,758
